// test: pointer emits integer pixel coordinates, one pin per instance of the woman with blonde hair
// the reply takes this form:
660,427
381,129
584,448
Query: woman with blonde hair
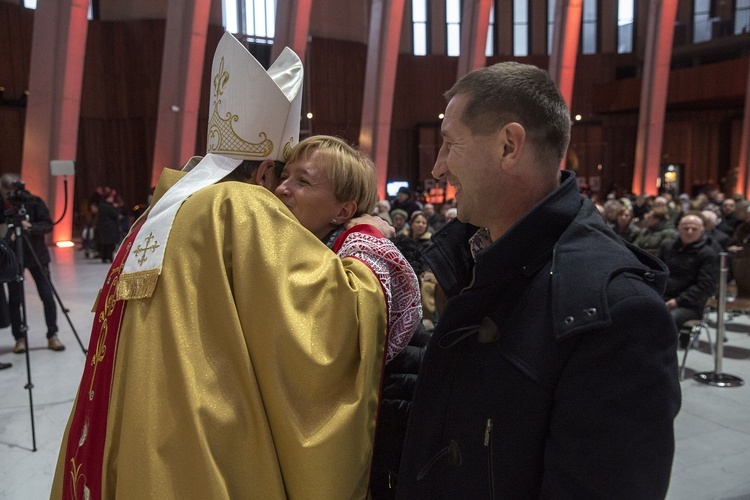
326,183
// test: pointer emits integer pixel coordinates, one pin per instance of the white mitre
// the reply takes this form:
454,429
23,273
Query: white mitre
254,115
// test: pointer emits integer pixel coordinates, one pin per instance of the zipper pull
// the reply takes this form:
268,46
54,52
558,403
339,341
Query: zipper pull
487,430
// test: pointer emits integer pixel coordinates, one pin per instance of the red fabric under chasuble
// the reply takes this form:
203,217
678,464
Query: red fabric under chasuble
88,428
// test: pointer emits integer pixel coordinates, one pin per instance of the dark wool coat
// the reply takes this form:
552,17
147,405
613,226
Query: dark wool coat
552,372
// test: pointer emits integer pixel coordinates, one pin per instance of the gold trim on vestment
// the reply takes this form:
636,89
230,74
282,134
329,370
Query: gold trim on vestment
138,285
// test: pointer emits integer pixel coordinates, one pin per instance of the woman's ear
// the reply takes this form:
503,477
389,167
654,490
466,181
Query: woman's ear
347,211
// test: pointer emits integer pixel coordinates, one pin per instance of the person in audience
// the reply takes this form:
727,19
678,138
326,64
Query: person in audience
718,240
624,226
450,214
729,221
399,218
188,391
552,372
655,231
405,201
419,228
693,271
435,219
382,210
738,243
611,209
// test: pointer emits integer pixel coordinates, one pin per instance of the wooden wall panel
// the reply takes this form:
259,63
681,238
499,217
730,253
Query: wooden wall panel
335,73
16,25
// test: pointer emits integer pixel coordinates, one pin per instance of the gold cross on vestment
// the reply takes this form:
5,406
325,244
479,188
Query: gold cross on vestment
148,246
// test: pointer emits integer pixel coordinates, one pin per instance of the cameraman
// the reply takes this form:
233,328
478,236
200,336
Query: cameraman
33,215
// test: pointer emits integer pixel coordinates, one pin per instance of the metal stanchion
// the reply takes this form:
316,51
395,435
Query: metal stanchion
716,377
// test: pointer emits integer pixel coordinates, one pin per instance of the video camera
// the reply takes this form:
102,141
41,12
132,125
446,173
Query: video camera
17,200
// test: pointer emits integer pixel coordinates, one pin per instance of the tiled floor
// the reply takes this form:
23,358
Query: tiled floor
712,460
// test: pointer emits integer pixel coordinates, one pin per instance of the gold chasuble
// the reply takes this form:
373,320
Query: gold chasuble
252,371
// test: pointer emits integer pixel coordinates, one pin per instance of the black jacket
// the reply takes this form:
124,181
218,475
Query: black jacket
552,372
399,381
693,272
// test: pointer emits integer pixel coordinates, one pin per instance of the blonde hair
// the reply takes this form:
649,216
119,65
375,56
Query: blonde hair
351,172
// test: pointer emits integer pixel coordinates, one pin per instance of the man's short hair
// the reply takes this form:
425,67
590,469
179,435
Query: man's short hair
245,170
351,172
513,92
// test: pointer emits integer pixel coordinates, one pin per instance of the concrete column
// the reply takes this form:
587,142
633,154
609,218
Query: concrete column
386,17
180,85
565,35
743,165
292,27
53,106
661,18
475,21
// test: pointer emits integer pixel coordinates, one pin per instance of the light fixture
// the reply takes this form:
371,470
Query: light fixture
65,244
578,118
441,116
309,116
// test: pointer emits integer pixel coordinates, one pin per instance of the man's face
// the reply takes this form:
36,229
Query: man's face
690,229
308,193
727,207
468,163
429,209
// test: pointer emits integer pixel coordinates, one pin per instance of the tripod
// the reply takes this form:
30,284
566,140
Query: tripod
20,238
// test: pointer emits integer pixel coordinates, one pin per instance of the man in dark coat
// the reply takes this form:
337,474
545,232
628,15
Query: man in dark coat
553,370
34,226
693,270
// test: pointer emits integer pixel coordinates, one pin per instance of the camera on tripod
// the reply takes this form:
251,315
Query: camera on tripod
17,200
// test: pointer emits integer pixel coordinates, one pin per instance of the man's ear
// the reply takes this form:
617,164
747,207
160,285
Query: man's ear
513,142
265,175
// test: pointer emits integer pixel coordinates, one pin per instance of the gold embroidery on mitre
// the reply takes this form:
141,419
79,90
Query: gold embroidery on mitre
138,285
221,135
288,148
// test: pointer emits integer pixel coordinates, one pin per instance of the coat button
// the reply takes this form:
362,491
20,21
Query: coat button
649,276
590,312
569,320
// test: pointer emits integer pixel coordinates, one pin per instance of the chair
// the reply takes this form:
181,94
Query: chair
693,328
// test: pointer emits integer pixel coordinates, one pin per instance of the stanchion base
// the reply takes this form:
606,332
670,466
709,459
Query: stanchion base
718,379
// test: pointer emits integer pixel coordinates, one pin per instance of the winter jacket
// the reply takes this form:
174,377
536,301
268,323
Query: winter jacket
693,272
552,372
651,238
